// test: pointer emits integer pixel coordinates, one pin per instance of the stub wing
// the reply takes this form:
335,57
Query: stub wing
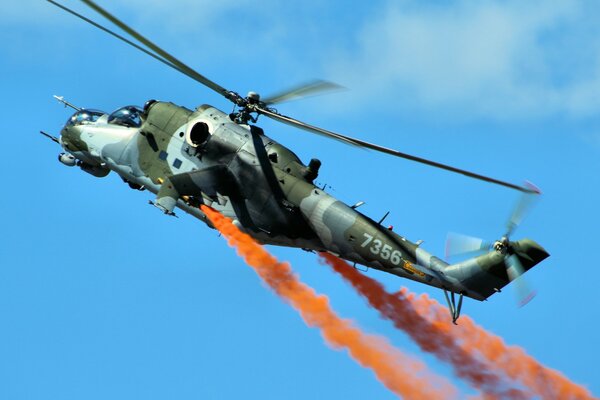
208,182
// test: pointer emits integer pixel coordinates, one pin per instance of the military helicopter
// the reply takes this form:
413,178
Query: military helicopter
225,161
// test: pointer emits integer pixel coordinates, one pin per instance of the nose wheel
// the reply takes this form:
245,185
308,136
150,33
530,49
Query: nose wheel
453,306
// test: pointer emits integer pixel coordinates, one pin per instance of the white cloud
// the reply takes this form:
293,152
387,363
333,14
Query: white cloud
504,59
490,58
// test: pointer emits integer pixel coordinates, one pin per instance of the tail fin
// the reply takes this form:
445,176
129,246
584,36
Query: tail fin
487,274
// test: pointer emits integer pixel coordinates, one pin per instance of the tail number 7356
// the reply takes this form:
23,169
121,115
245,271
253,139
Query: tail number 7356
381,249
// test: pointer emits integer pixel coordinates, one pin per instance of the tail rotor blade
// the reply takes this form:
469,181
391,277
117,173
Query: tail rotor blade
522,208
458,244
515,271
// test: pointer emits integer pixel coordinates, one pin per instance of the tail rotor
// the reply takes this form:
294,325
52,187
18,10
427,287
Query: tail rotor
462,245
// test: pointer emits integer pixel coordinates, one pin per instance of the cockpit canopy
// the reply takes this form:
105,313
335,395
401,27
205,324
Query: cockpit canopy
84,117
129,116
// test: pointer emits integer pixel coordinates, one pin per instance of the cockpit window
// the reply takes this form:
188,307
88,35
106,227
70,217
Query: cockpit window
84,117
129,116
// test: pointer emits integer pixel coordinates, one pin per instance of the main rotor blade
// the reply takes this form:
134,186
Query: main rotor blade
298,124
361,143
300,91
160,52
120,37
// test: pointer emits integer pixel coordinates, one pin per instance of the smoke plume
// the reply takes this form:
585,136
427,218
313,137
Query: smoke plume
401,374
511,360
476,355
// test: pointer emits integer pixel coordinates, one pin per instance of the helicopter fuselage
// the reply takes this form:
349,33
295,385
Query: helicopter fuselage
206,157
188,158
271,195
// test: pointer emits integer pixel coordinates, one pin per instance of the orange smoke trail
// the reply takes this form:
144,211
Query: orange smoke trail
428,323
512,360
402,375
427,335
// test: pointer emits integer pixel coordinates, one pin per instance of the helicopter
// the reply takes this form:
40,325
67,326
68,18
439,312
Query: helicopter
188,158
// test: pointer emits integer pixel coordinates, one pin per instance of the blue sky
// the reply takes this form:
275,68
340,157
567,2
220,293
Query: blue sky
102,296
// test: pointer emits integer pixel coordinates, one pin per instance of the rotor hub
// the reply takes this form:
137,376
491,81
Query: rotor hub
253,97
501,246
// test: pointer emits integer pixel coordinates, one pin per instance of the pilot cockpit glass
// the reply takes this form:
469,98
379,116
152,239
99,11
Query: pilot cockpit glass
129,116
84,117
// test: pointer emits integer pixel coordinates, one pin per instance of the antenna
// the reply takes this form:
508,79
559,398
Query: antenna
62,100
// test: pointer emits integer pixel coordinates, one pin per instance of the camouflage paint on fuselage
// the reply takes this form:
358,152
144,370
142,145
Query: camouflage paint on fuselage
267,191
